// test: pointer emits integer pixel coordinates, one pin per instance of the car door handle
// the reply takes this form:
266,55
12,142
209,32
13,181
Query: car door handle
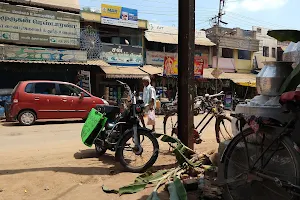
37,98
64,100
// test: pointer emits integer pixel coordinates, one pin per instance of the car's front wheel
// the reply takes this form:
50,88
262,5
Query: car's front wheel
27,118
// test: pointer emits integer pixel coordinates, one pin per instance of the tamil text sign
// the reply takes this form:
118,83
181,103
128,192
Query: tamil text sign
171,66
119,16
122,54
32,26
11,52
157,58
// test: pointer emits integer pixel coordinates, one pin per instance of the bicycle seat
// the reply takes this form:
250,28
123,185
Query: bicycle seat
290,101
290,97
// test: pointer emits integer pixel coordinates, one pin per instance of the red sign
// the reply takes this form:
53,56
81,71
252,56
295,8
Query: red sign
171,65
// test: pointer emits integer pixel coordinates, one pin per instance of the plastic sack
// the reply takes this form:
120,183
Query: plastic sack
151,117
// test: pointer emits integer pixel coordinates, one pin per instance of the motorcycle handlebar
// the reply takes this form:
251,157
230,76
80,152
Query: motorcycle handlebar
217,95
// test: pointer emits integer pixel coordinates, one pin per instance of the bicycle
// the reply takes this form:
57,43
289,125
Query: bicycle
269,156
215,109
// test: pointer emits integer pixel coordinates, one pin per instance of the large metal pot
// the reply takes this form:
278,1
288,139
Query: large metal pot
272,76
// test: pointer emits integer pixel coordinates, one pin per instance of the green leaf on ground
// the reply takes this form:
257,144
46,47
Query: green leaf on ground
149,177
172,191
169,139
133,188
109,191
153,196
180,190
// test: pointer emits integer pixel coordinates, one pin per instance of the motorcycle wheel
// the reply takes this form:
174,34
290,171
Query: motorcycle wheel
196,112
100,150
123,148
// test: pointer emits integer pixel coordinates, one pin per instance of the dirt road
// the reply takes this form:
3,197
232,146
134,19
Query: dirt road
47,161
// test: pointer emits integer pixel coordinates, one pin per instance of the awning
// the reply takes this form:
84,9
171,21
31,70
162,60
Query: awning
152,70
161,37
98,62
204,42
168,38
238,78
123,72
70,5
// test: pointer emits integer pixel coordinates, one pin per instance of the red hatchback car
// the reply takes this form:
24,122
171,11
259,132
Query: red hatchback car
32,100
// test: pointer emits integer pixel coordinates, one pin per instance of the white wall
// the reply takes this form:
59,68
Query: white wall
265,40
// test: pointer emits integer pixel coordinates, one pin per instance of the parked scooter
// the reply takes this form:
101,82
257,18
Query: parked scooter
123,134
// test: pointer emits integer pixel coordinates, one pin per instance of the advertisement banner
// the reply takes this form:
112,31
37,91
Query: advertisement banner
122,54
10,52
119,16
171,65
32,26
157,58
85,82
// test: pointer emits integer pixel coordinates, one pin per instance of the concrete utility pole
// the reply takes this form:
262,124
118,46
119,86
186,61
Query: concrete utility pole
218,19
186,52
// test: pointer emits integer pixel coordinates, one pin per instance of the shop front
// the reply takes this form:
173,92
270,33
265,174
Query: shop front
82,74
110,89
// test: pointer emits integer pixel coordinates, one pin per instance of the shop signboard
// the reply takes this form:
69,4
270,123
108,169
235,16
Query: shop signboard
157,58
11,52
33,26
171,65
85,82
122,54
119,16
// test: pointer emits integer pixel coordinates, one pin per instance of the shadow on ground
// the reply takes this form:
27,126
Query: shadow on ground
38,123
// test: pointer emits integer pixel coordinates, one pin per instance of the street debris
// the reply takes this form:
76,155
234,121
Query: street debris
193,173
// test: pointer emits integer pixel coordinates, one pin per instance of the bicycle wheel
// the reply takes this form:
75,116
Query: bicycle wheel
170,123
240,171
223,128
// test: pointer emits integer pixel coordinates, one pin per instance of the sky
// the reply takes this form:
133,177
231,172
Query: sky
272,14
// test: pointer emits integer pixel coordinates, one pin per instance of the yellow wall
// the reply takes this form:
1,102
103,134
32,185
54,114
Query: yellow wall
242,66
96,17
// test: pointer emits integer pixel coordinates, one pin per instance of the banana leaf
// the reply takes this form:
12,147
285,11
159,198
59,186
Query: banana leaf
180,190
139,184
133,188
172,191
149,177
292,81
109,191
285,35
153,196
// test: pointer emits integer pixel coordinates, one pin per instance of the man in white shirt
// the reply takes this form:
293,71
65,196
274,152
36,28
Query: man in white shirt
149,98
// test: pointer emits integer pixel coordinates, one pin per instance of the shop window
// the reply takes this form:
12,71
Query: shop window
266,51
244,55
273,52
227,53
106,39
69,90
171,48
45,88
258,30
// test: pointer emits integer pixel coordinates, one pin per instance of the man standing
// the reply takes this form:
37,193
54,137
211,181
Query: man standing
149,98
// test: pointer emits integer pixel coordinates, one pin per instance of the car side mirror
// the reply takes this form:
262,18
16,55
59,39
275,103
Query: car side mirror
81,95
